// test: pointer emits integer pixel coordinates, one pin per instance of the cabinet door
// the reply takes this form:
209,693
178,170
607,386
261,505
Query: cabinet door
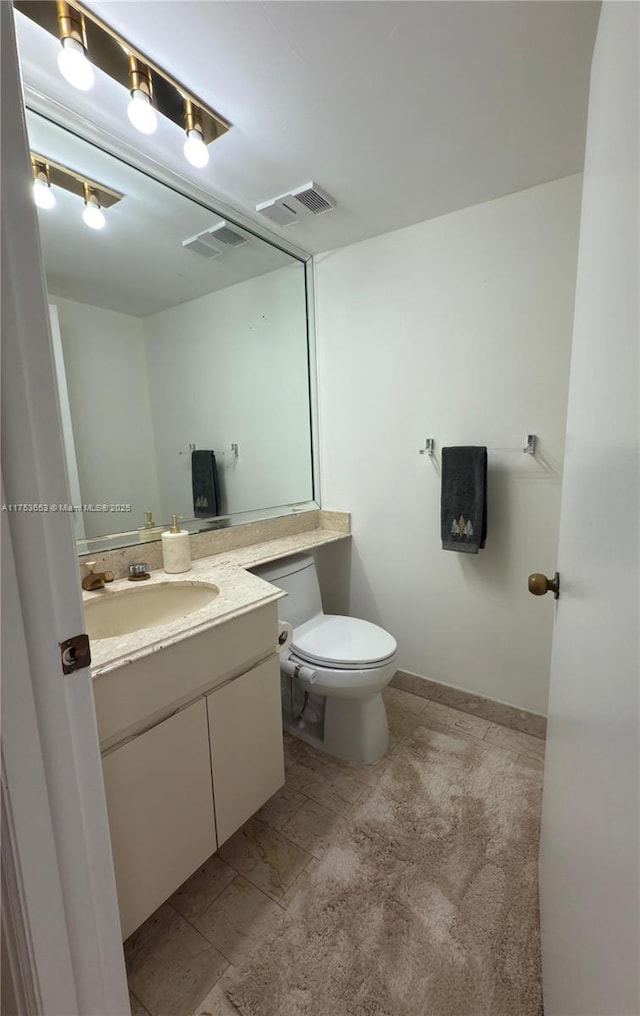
245,726
160,804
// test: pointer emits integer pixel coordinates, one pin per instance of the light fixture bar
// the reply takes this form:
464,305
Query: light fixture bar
70,23
110,52
76,183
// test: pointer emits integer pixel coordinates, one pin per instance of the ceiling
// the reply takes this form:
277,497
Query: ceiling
402,111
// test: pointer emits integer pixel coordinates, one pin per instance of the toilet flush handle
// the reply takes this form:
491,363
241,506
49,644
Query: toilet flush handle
540,584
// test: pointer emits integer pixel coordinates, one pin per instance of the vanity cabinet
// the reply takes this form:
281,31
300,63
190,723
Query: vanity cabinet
245,727
160,805
191,740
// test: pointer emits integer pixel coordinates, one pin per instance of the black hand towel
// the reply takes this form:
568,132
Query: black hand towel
463,503
204,480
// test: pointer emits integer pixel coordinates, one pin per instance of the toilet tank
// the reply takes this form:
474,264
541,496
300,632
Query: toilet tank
298,577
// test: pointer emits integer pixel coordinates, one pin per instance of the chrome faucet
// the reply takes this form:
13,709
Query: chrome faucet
95,580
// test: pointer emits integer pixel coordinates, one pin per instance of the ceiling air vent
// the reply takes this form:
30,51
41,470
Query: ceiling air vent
211,242
296,205
313,198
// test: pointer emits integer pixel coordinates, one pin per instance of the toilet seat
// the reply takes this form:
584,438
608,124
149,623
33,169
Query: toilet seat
344,643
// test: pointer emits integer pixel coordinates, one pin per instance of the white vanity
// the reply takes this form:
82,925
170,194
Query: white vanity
189,720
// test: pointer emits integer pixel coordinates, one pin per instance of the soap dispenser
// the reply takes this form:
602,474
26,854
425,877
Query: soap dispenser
150,531
176,551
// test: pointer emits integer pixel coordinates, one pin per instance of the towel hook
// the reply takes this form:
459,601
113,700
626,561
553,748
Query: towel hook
429,447
530,447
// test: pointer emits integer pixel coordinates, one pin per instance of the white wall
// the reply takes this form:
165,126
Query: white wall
231,367
457,328
109,397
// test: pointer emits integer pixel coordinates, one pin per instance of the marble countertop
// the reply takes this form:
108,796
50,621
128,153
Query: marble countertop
239,593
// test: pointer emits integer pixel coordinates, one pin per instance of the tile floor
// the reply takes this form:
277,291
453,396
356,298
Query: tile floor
176,962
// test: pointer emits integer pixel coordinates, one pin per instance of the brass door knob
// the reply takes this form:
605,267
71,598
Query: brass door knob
540,584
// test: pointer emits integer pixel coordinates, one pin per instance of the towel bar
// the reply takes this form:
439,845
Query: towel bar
529,448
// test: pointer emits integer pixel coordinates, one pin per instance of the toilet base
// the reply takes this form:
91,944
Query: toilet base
355,730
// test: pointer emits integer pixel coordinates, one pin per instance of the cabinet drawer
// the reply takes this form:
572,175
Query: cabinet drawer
160,805
139,691
245,726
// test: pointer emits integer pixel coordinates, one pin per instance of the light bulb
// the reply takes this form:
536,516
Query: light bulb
74,66
141,113
93,215
42,193
195,150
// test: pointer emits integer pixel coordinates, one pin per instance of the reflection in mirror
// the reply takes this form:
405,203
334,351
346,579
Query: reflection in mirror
180,343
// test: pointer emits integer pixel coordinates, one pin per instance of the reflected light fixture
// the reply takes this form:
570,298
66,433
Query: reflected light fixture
48,175
72,58
93,215
42,193
152,89
140,109
195,150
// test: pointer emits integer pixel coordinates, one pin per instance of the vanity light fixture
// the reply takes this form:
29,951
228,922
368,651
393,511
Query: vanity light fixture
95,195
42,193
93,215
72,58
152,90
140,110
195,150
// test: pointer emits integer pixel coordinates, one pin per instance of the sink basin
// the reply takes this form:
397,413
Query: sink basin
129,610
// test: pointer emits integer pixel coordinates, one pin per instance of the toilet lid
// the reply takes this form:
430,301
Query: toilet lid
346,642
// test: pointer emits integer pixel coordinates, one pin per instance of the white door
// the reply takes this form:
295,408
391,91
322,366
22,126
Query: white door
589,889
60,905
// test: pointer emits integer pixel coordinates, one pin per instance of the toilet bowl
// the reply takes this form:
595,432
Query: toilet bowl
334,670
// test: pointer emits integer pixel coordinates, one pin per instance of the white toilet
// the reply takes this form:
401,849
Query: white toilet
334,670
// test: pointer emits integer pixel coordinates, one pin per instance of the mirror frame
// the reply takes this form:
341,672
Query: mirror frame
80,127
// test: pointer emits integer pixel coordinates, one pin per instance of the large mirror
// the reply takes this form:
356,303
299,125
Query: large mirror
181,350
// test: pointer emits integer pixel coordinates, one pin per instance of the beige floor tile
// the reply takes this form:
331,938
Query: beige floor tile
137,1008
456,719
170,965
314,785
314,828
531,763
369,775
334,774
216,1003
486,746
524,744
432,722
199,891
239,920
281,807
366,796
298,752
302,882
402,724
404,700
268,860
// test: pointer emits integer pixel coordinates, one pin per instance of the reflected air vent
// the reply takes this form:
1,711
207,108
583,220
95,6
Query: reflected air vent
200,245
296,205
211,242
226,235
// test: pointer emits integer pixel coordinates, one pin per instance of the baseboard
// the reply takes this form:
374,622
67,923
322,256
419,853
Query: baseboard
497,712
